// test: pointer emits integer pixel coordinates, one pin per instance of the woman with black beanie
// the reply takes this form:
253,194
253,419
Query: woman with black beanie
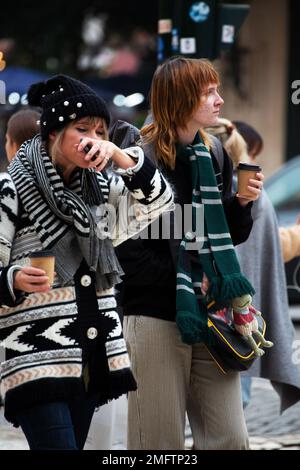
65,353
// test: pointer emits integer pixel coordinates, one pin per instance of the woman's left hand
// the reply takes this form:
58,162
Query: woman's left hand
254,187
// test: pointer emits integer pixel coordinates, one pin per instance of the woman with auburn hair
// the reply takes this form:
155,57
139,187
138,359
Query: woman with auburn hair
167,279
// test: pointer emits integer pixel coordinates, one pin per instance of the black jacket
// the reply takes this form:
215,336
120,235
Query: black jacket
149,284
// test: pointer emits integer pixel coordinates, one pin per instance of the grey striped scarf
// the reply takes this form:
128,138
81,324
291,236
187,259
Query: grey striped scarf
63,219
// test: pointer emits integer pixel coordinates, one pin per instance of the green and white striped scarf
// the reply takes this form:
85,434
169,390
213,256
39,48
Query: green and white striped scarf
213,253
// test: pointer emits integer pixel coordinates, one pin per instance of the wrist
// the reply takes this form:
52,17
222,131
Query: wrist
134,159
243,201
122,160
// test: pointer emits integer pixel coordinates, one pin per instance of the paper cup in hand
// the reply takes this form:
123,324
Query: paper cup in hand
45,260
245,172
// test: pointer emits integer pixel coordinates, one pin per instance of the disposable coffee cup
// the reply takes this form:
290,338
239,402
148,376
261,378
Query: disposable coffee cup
44,259
245,172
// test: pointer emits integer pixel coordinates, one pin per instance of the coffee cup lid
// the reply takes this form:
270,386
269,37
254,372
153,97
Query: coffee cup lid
249,167
41,254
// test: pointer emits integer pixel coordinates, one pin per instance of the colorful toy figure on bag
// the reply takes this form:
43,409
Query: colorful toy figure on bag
246,324
244,320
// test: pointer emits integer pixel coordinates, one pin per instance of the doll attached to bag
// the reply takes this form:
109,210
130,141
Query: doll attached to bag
245,323
237,333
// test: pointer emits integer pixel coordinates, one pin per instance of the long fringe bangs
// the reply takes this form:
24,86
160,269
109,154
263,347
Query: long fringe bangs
175,94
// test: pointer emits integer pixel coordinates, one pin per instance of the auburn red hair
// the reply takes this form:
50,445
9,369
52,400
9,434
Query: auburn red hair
176,91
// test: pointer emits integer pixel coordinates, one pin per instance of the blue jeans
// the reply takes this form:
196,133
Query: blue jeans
246,389
61,425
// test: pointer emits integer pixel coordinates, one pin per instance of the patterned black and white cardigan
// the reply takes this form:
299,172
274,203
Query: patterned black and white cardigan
46,334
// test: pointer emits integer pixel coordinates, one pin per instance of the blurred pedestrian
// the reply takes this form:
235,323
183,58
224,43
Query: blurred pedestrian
289,236
244,143
65,353
290,241
174,372
252,138
21,126
261,260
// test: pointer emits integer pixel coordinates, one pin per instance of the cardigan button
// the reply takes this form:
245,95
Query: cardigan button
92,333
86,280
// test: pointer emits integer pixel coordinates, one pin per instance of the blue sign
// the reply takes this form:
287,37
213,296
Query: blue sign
160,49
199,12
175,40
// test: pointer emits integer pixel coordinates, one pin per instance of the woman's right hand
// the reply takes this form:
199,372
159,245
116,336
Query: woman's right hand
29,279
101,151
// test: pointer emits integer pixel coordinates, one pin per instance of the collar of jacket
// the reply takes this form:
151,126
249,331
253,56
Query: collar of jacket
181,149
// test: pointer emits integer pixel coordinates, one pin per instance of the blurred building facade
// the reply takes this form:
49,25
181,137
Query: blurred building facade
118,59
258,74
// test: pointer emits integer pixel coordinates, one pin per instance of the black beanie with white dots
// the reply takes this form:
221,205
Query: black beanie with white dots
64,99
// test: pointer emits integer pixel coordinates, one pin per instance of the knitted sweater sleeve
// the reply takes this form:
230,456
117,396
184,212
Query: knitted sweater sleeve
139,196
8,220
8,216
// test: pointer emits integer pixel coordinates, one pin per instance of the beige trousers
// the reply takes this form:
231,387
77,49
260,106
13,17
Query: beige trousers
174,378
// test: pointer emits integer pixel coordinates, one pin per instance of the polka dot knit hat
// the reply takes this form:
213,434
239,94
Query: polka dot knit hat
64,99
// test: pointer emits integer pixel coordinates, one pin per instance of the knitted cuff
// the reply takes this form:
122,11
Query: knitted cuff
137,154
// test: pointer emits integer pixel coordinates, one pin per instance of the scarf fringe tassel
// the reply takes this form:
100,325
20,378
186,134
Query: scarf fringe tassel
230,286
193,328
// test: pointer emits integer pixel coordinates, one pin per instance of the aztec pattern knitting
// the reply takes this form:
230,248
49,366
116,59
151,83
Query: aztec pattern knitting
47,321
8,216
